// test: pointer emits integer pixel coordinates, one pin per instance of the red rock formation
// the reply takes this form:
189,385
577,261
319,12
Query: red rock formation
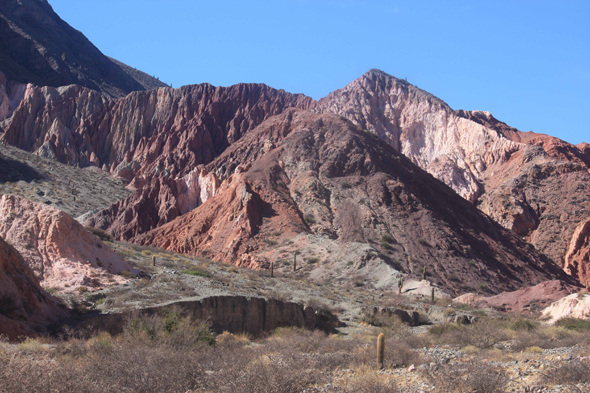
525,299
532,184
24,306
299,172
577,258
62,254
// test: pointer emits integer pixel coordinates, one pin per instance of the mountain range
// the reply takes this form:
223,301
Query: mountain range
378,180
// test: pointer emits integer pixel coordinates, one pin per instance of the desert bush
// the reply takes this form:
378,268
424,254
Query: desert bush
568,373
524,324
366,380
576,324
99,233
483,334
168,328
468,377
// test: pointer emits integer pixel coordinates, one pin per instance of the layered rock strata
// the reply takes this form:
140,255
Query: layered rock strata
299,172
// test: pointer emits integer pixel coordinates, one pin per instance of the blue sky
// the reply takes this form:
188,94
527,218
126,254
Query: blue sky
527,62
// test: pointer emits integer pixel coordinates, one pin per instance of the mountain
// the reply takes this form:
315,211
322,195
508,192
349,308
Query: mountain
322,176
37,47
532,184
535,185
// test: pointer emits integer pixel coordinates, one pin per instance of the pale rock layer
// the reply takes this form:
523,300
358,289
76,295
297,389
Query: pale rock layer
61,253
571,306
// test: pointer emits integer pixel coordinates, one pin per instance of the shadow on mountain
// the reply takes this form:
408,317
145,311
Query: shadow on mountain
13,171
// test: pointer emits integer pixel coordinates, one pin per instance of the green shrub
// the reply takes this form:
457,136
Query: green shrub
576,324
195,271
309,218
524,324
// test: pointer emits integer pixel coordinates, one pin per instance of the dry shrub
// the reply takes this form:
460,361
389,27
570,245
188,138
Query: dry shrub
367,380
568,373
483,334
547,338
469,377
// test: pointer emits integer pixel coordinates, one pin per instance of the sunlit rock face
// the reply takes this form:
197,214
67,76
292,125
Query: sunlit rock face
422,127
62,254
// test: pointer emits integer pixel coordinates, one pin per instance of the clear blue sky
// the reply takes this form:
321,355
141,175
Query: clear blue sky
527,62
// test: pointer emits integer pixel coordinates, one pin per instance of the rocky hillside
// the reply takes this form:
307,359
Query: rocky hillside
24,306
38,47
533,184
318,174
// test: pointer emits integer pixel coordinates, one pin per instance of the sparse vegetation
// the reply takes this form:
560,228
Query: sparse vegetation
196,271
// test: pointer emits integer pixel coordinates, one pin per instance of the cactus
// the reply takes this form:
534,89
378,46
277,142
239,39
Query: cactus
272,269
380,350
153,260
432,295
295,261
400,284
587,286
424,273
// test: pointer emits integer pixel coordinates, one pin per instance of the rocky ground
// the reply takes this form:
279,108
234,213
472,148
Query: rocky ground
74,190
497,352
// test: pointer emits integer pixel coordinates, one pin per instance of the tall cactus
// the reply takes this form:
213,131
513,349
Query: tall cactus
424,273
272,269
400,284
380,350
153,260
432,295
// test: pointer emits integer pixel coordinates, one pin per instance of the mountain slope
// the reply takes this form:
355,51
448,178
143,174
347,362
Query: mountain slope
37,47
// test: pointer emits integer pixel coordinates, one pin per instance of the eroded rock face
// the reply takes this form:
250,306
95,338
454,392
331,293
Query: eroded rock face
11,94
325,176
24,306
236,314
577,258
61,253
